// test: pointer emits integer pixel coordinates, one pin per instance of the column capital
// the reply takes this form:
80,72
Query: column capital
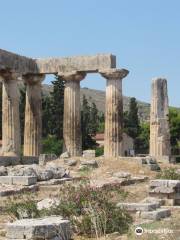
72,76
6,75
113,73
33,79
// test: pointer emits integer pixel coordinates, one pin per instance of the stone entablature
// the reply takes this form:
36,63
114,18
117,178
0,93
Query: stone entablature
72,70
24,65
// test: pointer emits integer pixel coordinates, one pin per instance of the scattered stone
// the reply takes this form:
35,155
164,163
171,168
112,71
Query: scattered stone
70,162
7,190
18,180
47,203
89,153
44,174
155,215
44,158
59,172
165,183
65,155
165,189
21,170
139,179
3,171
122,174
89,163
133,207
41,228
153,200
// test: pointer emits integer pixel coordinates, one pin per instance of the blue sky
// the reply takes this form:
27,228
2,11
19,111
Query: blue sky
143,34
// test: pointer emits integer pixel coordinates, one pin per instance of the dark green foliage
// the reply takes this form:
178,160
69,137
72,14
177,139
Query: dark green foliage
99,151
169,173
88,124
93,124
52,145
58,106
174,121
142,140
131,123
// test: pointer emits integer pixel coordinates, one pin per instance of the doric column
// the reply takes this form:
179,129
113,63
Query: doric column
10,115
113,146
72,113
159,120
33,115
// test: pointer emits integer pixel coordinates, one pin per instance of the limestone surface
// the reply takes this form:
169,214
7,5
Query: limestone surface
159,120
42,228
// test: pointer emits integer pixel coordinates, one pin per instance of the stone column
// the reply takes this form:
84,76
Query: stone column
113,146
72,113
33,115
10,115
159,120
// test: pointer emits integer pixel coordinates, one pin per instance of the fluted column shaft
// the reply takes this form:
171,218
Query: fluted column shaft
159,120
33,115
113,145
10,115
72,113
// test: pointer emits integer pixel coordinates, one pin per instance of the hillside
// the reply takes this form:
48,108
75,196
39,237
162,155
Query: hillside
98,97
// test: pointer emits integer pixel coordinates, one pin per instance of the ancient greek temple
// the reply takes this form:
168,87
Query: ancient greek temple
72,70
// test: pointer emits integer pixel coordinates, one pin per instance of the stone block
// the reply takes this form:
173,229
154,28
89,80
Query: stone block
89,153
26,160
165,190
77,63
133,207
44,158
18,180
89,163
41,228
122,174
154,200
6,180
48,203
24,180
156,215
70,162
165,183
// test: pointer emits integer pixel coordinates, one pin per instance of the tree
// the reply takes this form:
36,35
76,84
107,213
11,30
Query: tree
174,122
93,124
57,107
132,119
86,125
47,116
142,140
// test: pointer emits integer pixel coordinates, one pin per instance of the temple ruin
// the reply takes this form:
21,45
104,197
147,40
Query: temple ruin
14,68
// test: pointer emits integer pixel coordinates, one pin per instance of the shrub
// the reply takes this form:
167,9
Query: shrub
26,207
169,173
52,145
92,211
99,151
